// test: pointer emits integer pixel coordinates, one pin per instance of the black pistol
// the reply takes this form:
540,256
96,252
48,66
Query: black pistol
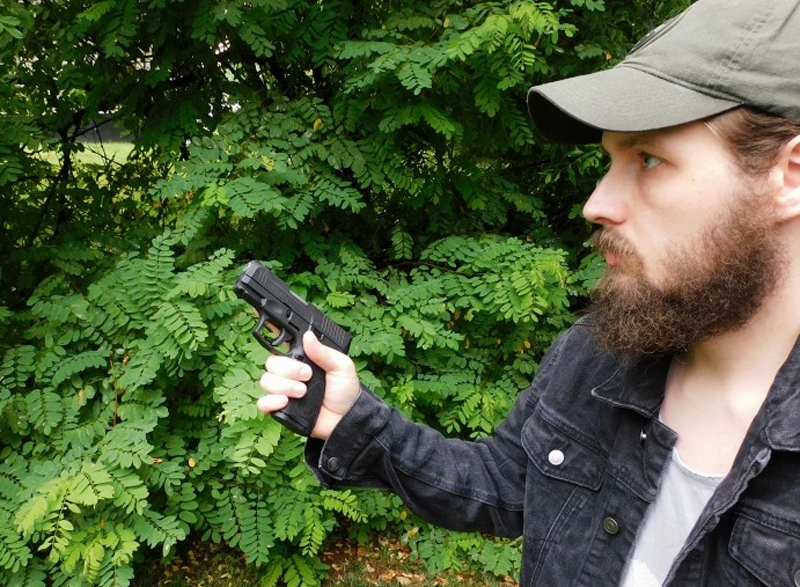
292,316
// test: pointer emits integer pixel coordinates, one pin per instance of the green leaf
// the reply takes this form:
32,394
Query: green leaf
14,554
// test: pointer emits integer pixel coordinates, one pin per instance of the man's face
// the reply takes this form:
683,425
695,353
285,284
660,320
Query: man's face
690,244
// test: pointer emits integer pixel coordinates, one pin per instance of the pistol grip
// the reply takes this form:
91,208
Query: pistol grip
300,415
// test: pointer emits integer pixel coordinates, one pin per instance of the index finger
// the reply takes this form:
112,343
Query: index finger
288,368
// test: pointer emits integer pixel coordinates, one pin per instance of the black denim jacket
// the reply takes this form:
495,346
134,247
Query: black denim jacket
574,466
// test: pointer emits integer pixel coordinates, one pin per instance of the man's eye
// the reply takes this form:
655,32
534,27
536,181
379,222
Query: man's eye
649,161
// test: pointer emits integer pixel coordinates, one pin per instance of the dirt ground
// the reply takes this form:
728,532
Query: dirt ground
386,562
382,562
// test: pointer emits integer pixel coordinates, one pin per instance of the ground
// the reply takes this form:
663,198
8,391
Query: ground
381,562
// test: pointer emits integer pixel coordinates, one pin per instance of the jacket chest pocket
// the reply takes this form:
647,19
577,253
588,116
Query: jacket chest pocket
767,547
565,473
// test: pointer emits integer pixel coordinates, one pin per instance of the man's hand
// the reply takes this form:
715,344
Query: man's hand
284,379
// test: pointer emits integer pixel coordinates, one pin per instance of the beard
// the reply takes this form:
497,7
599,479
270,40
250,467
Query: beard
710,288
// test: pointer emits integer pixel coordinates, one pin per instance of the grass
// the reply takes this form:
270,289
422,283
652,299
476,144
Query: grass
382,562
94,154
100,153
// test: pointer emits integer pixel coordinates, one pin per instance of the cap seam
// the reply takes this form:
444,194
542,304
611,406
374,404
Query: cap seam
732,61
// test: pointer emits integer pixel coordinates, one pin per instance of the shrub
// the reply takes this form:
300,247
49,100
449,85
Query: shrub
377,157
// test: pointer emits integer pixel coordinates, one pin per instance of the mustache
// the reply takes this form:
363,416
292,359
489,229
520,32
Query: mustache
607,241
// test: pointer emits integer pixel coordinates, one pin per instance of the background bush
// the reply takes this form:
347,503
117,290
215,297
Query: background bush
377,155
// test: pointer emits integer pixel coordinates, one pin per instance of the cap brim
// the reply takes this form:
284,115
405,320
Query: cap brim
624,99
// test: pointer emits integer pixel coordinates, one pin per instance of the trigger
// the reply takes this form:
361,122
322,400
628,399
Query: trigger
273,339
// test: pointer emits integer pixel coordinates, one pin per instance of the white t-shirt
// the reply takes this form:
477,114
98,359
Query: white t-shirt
680,500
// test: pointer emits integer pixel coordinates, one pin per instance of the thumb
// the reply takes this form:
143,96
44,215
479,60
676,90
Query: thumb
341,383
328,359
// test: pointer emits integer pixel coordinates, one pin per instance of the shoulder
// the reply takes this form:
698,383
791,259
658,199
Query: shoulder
575,355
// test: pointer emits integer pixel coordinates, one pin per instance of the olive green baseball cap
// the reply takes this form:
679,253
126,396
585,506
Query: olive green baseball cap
714,56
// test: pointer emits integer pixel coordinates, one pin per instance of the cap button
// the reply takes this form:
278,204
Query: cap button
556,457
333,464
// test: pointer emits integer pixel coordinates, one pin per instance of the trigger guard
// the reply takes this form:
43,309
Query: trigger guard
273,345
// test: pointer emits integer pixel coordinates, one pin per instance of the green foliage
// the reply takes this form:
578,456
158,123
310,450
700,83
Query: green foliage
378,157
443,550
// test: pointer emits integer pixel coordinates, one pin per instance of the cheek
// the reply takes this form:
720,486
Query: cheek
653,246
680,223
668,255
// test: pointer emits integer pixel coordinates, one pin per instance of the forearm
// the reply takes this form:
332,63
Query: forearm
452,483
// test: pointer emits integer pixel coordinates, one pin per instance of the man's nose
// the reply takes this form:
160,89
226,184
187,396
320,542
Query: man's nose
605,206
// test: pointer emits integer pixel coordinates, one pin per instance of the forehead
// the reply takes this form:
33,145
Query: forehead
684,137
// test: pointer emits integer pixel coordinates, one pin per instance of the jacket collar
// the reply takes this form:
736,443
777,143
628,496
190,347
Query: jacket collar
638,384
783,405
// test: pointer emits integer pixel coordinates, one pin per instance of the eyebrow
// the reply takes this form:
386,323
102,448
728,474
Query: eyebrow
636,139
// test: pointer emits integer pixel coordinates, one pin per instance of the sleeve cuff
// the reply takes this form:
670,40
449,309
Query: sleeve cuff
333,461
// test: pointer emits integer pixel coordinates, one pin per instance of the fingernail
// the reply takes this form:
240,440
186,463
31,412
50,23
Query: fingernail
305,371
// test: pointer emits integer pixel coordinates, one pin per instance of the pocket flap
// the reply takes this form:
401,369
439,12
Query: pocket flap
767,546
557,451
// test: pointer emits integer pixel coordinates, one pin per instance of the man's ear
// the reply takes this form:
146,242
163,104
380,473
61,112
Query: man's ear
788,173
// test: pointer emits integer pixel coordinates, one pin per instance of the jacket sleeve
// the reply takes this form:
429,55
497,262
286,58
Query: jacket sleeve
456,484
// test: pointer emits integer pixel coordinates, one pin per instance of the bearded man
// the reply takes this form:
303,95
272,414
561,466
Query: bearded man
659,443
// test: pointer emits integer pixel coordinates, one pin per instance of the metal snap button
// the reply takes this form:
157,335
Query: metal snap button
797,579
556,457
610,525
333,464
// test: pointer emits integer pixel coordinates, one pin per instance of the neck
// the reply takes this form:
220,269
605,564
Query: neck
714,391
755,352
